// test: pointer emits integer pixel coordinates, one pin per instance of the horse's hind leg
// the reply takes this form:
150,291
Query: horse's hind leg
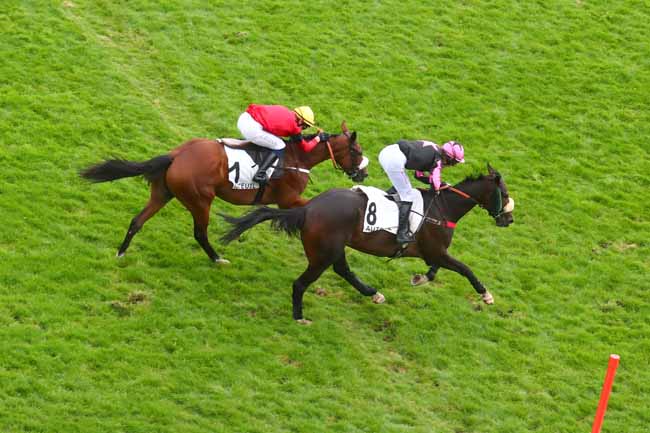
160,196
342,268
201,215
310,275
419,279
321,251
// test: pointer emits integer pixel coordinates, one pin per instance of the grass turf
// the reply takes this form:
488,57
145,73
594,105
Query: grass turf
553,94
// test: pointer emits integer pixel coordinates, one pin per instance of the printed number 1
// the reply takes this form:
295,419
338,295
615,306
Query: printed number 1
235,167
371,218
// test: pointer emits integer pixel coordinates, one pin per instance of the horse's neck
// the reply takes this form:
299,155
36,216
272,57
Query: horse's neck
475,189
309,159
454,206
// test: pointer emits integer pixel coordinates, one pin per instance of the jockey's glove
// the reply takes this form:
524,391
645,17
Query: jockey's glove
422,178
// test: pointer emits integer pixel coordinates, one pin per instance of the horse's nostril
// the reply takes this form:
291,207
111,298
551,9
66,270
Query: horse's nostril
360,176
504,220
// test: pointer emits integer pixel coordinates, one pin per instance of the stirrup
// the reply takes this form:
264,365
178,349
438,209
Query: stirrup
409,239
262,179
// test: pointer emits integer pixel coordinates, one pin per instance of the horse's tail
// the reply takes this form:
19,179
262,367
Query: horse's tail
287,220
113,169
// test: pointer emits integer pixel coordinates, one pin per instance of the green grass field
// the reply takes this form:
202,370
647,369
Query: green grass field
553,94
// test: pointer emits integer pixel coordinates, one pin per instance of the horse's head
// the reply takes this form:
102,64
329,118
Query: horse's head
346,154
496,199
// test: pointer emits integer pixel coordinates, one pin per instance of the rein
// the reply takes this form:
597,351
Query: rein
459,192
335,163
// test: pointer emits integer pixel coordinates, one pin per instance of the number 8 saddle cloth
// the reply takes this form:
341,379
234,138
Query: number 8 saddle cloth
381,212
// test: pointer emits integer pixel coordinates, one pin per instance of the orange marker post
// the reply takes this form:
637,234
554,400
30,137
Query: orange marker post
604,395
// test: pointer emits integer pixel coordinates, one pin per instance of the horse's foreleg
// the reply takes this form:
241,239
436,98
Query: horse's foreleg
452,264
160,196
342,268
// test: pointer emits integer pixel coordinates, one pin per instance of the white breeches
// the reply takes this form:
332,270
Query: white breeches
392,160
253,131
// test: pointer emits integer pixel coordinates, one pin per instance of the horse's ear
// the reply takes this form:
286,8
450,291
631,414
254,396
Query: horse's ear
493,172
344,127
353,137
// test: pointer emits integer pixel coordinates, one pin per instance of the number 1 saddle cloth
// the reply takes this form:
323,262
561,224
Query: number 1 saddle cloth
382,214
242,167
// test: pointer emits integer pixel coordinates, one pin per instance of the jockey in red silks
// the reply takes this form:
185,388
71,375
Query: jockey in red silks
265,124
420,156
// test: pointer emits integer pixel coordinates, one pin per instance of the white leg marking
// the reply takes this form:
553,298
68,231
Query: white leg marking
419,279
487,298
378,298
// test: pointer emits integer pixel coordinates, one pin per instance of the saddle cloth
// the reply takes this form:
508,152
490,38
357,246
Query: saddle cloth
242,167
382,214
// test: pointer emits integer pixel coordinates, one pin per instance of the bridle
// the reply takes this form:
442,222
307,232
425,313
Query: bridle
354,153
496,210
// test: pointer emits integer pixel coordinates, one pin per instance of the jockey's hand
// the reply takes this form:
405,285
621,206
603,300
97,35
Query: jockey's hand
422,177
437,191
323,136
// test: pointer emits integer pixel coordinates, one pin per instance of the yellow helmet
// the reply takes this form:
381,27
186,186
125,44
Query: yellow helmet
305,114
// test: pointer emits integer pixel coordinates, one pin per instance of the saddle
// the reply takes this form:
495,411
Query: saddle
257,153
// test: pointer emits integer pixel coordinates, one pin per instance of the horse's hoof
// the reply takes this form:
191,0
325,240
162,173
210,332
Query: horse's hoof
487,298
303,321
118,255
221,262
419,279
378,298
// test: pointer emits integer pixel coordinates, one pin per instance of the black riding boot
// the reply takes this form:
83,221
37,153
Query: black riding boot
261,177
403,227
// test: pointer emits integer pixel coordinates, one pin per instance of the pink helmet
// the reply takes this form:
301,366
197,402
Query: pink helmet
454,150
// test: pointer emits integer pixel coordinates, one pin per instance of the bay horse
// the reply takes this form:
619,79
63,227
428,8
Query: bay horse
197,171
334,219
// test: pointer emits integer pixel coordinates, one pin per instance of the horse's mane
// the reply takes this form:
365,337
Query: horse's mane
294,138
310,137
475,177
472,178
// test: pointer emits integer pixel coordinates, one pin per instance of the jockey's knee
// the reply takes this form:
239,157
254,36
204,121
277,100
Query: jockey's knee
406,195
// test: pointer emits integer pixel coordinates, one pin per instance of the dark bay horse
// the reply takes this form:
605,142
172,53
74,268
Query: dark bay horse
197,171
334,219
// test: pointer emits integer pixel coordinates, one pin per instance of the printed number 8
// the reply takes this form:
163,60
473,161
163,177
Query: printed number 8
371,219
